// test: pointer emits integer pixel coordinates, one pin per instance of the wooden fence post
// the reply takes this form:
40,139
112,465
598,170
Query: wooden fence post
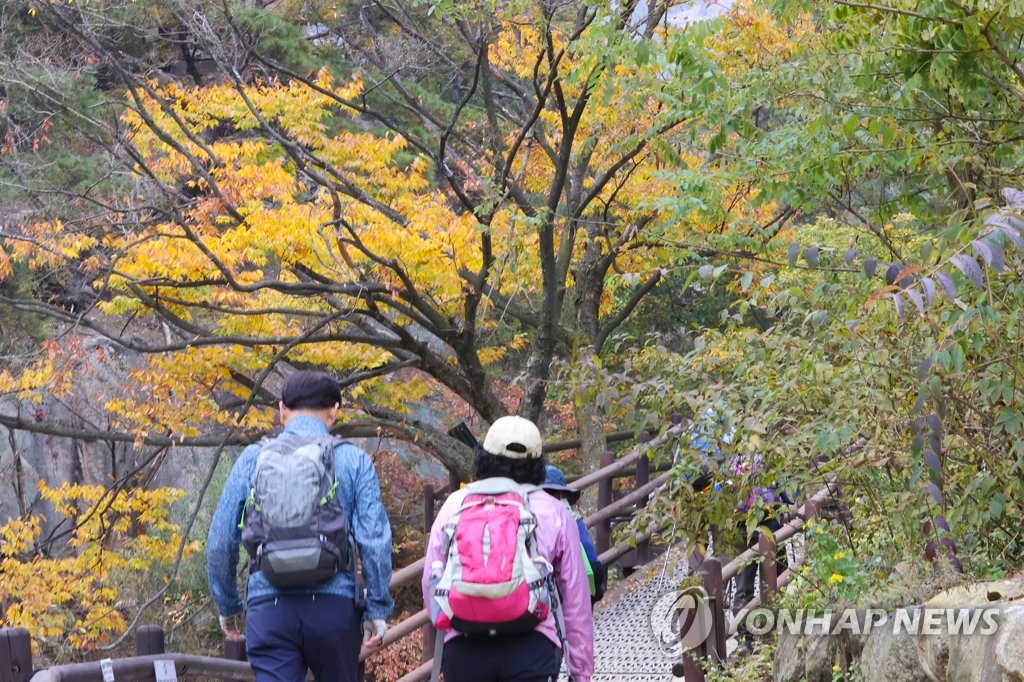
604,498
643,477
769,568
428,509
810,509
15,655
234,650
690,669
149,640
715,589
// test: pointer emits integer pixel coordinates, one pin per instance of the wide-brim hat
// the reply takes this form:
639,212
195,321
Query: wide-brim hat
554,481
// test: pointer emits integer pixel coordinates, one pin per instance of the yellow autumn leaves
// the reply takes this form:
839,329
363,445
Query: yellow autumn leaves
71,596
255,188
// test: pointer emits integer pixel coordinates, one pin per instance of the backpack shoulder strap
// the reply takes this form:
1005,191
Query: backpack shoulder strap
330,445
336,440
563,634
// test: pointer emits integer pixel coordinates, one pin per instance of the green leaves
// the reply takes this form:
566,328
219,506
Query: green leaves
792,253
1009,421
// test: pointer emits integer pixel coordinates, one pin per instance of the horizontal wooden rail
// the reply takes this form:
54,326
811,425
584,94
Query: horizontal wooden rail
406,627
610,555
407,574
620,464
613,437
420,674
638,495
141,668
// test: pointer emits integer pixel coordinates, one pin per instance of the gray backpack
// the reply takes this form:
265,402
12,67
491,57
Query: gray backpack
293,526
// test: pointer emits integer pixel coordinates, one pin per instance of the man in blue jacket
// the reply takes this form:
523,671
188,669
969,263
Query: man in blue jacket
319,627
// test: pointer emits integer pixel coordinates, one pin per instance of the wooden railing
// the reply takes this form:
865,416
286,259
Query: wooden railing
716,576
15,646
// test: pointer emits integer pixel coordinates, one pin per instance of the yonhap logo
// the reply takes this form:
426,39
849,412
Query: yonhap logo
681,620
967,621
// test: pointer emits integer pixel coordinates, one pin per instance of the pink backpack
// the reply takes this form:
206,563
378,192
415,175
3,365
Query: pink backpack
493,580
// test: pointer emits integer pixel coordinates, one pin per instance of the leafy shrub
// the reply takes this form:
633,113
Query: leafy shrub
70,595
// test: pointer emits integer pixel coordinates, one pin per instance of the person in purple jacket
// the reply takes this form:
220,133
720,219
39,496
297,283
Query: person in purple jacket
512,449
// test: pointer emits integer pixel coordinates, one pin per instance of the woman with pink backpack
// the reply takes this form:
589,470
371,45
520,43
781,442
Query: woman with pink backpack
504,579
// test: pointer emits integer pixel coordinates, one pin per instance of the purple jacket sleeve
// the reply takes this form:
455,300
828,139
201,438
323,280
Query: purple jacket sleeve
435,548
573,585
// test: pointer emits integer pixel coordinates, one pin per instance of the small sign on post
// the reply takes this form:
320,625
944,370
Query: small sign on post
15,655
107,668
165,671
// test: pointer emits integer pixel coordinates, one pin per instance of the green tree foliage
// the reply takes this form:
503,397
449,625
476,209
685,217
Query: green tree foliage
892,138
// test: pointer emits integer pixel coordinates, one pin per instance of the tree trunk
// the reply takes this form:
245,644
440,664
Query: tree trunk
589,417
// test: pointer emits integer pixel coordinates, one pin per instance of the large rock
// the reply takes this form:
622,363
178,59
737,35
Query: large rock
27,459
919,644
893,656
810,657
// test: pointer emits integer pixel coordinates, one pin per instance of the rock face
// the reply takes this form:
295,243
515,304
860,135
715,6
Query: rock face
27,458
810,657
973,633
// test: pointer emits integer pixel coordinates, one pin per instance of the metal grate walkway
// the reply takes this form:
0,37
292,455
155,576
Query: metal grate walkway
626,646
632,639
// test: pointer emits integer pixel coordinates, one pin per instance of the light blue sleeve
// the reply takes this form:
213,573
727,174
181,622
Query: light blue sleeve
225,536
372,532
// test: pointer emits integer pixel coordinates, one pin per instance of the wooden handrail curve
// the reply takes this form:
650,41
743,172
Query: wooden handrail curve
141,668
620,464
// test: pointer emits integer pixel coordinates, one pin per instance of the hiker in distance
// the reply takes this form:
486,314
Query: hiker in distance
307,506
504,578
556,485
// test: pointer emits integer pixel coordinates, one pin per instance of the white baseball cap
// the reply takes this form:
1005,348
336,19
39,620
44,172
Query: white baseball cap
513,437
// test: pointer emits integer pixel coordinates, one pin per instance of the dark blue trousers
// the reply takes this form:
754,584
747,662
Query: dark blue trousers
529,657
287,634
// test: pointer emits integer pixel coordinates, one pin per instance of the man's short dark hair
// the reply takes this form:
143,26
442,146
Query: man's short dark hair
311,390
530,471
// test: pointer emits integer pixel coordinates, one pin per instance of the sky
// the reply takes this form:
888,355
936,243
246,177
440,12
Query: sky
695,11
